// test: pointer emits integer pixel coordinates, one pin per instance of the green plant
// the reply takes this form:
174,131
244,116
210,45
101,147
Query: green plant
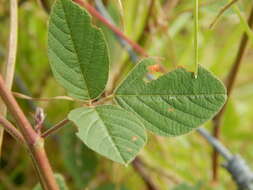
171,105
113,121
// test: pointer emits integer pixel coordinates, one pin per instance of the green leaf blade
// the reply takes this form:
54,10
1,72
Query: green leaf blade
175,103
77,51
110,131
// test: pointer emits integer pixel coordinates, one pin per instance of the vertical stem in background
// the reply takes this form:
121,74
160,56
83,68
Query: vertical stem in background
11,59
230,84
196,37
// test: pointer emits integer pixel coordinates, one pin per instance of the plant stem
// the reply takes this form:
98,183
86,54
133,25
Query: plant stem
34,142
97,15
223,9
55,128
230,82
196,37
138,166
11,58
12,130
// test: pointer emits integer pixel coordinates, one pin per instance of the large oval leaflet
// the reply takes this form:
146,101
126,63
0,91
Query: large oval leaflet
77,51
111,131
175,103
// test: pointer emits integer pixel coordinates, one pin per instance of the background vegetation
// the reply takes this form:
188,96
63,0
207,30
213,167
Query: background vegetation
165,30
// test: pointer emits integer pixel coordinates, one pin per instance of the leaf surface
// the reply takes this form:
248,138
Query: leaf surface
111,131
173,104
77,51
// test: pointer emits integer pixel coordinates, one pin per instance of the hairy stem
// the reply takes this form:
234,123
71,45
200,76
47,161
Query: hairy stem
34,142
11,58
230,82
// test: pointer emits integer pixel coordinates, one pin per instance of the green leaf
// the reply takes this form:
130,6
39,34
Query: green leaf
80,162
110,131
77,51
173,104
60,181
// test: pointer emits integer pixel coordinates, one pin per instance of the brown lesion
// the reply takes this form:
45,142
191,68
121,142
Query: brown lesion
170,109
134,138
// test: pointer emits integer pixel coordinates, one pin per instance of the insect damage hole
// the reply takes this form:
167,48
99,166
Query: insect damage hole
154,72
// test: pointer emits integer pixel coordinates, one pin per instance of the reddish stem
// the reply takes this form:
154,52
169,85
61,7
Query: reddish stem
34,142
96,14
12,130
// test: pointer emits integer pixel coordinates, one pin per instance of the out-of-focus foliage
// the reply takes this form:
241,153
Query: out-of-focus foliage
80,162
184,186
167,35
60,181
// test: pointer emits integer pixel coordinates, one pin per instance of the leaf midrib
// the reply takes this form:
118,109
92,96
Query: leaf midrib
111,139
75,49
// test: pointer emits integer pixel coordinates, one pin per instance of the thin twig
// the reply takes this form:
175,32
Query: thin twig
230,82
223,9
55,128
97,15
138,166
196,37
23,96
12,130
11,58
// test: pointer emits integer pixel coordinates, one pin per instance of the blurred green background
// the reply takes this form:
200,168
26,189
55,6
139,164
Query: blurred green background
165,30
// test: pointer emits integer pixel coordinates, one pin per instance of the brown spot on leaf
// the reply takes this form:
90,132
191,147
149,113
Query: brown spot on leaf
171,109
129,150
157,68
134,138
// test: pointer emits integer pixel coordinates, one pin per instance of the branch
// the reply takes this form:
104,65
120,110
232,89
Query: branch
34,142
138,166
23,96
11,58
223,9
97,15
230,82
12,130
55,128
